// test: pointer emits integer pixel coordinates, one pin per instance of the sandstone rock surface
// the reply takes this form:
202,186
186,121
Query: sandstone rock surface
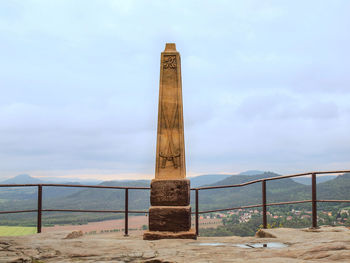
170,192
155,235
327,244
169,218
74,234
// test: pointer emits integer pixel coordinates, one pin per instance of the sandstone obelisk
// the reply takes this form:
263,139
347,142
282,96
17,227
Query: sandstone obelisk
170,211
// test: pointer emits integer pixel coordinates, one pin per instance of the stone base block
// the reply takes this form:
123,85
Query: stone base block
155,235
169,218
170,192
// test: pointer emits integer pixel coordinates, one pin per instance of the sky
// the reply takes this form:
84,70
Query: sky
265,86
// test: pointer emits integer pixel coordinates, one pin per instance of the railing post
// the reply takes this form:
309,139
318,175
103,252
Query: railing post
40,201
263,190
314,201
197,213
126,218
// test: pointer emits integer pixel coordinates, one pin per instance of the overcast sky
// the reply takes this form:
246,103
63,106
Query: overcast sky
265,85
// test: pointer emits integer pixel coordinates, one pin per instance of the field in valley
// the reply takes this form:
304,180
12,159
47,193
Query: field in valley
136,224
16,230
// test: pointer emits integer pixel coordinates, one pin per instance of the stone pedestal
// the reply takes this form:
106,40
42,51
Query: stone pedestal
169,218
170,211
155,235
170,192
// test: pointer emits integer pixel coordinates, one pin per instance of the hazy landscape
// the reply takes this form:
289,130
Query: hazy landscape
21,198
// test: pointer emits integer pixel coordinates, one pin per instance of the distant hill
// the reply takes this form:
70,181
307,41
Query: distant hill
28,193
27,179
22,179
338,188
252,172
320,179
196,181
211,179
207,179
106,198
279,190
62,180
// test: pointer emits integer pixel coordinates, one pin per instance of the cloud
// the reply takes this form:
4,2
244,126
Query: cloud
284,107
265,85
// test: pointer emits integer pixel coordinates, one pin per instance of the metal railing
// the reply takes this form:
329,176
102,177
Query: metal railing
264,203
126,210
39,210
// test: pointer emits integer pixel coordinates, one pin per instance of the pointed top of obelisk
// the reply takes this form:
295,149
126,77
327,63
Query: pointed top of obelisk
170,47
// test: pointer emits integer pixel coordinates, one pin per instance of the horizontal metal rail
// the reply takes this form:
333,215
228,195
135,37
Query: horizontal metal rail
77,185
336,201
18,211
94,211
267,179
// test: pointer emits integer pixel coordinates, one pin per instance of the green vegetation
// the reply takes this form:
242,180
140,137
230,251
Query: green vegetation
232,227
277,191
16,230
245,222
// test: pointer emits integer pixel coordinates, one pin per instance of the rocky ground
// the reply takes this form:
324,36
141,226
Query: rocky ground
327,244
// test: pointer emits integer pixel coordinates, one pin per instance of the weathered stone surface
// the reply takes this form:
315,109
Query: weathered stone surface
170,155
329,244
155,235
263,234
169,218
170,192
74,234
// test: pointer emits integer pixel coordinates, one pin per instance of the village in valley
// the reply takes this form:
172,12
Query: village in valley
243,216
220,223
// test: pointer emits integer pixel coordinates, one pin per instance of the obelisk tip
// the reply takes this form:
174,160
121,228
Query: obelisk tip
170,47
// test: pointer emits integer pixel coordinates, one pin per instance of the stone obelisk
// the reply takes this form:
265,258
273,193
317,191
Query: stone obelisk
170,211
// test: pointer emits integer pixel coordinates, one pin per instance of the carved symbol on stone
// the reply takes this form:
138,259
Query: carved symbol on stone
171,154
169,62
170,157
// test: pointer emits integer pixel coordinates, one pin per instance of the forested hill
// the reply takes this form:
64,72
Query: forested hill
109,199
277,191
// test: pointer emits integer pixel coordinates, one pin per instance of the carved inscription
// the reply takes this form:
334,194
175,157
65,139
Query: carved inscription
169,62
171,155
